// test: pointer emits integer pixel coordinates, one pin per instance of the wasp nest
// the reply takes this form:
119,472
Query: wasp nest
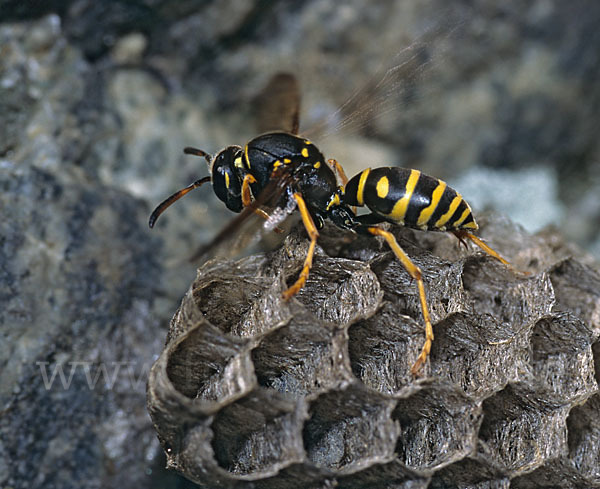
253,391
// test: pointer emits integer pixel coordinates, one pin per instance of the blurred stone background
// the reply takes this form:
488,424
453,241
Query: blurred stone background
97,100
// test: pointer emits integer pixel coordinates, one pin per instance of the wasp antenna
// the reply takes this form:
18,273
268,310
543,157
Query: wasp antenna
188,150
173,198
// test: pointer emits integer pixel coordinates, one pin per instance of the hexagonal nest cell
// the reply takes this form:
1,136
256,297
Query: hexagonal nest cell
255,391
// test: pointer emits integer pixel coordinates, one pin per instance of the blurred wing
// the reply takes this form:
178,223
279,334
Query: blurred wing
394,85
243,229
278,105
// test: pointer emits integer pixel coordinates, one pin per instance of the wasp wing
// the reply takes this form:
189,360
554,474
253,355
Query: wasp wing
395,85
247,225
278,105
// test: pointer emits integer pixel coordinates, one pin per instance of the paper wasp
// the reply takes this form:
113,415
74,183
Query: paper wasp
280,171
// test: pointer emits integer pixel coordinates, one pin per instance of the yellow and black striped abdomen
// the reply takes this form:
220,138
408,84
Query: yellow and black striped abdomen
410,198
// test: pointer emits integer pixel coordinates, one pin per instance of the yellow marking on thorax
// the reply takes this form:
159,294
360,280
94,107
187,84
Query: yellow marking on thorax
453,206
426,213
317,164
226,179
307,142
400,207
238,162
277,164
287,161
360,191
304,152
382,187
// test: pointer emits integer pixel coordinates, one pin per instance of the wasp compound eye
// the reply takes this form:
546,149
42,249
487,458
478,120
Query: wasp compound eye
226,178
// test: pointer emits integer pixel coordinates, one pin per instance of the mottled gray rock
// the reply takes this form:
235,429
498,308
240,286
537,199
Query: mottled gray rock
78,274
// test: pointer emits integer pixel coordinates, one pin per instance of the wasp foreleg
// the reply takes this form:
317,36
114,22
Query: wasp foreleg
247,198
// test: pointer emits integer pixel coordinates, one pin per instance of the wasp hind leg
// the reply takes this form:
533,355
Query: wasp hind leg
415,273
461,234
313,234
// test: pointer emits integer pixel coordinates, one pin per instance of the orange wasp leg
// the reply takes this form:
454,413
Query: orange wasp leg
247,198
313,234
415,273
465,234
339,171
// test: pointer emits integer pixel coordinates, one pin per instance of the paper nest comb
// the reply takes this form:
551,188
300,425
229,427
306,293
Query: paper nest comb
253,391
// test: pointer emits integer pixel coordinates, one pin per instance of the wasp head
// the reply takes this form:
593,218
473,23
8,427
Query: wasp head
226,169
